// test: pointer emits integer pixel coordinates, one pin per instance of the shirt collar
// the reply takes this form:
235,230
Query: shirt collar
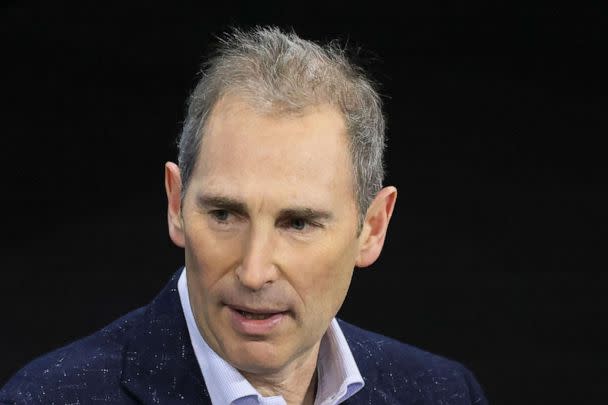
338,375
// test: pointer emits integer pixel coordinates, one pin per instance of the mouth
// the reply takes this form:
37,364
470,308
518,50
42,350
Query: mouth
256,316
256,313
256,321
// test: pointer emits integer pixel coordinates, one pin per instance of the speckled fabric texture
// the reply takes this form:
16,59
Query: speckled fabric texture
146,357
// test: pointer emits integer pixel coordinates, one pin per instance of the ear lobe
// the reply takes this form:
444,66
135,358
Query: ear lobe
375,226
173,187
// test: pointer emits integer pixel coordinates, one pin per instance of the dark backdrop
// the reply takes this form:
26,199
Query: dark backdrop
495,256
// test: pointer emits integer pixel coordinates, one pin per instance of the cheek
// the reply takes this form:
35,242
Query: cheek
325,278
208,258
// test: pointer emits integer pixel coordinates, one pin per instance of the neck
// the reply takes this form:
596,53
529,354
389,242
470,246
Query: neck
297,384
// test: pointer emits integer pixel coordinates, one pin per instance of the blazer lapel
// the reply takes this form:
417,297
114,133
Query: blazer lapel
365,363
159,362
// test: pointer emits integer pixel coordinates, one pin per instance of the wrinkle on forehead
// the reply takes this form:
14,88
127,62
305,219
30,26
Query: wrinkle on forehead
294,159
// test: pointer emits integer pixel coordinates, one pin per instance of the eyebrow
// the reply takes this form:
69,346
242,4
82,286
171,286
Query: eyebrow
222,202
238,207
307,214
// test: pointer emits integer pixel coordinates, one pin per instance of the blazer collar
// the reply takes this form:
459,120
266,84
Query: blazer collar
159,365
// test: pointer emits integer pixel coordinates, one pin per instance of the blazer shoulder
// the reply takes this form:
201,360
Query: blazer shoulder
379,347
92,364
395,372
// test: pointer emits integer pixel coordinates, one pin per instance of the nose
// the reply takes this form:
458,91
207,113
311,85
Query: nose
257,268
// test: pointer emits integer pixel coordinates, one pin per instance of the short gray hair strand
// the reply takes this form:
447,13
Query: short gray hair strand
279,72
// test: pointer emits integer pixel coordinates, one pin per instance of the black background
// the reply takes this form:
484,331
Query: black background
495,255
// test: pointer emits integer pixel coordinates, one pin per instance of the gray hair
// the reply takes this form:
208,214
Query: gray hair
281,73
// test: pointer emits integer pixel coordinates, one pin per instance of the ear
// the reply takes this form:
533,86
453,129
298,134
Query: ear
173,187
375,225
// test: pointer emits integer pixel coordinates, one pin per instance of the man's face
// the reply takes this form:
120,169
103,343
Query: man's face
270,233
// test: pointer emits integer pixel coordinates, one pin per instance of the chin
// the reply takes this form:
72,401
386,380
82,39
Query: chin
257,357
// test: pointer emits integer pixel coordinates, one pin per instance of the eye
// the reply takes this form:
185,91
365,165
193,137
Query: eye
220,215
298,224
302,225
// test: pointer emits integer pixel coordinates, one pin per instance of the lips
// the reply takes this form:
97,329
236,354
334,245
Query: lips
256,316
256,321
256,312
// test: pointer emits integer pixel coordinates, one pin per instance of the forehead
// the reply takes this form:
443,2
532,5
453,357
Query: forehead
288,155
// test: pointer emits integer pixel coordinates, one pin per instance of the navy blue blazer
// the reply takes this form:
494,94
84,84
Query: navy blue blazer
146,357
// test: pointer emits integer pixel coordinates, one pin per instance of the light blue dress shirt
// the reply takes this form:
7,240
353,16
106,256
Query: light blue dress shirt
338,375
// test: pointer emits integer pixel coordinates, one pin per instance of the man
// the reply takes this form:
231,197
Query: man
277,197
